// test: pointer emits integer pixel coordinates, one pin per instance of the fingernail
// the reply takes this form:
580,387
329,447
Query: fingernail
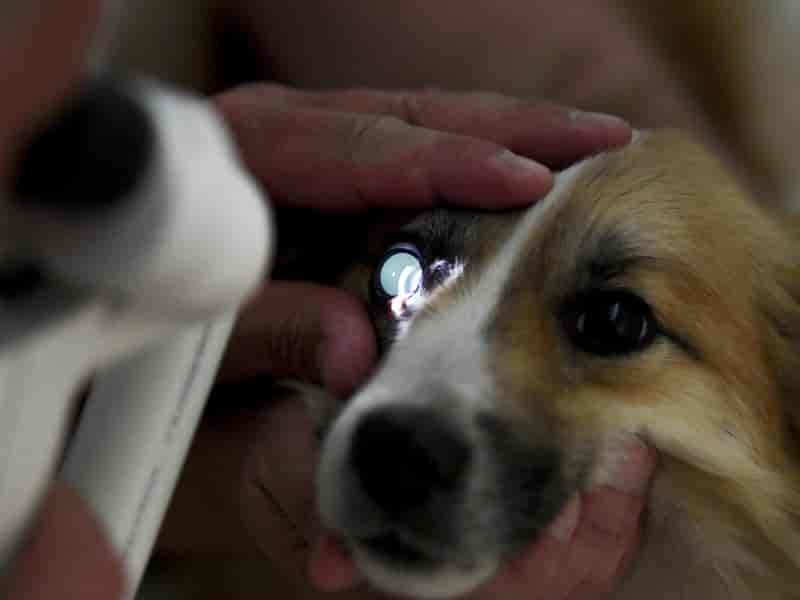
597,118
634,470
516,165
567,520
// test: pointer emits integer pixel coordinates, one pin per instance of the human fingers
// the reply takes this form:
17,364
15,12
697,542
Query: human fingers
552,134
278,505
302,331
277,487
583,555
67,556
610,528
343,160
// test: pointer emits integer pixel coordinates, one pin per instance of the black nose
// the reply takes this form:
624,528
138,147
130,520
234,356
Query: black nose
404,456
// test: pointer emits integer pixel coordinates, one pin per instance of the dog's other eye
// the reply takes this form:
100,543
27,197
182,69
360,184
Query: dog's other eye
399,272
609,322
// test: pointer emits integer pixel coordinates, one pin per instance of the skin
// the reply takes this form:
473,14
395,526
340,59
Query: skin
372,150
581,556
363,150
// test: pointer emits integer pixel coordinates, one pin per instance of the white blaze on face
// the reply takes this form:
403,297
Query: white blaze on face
446,351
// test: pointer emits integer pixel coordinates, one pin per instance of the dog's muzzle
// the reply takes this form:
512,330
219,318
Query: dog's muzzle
431,497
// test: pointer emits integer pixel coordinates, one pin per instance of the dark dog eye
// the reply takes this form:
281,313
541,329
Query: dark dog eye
609,322
399,272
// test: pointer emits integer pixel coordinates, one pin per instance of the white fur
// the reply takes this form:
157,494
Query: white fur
445,351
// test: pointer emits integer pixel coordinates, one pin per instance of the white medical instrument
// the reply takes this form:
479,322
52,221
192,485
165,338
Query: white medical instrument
128,240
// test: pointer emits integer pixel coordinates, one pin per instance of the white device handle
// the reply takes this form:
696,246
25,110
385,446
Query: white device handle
135,432
36,407
152,282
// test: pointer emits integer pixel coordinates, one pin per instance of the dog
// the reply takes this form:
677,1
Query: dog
646,296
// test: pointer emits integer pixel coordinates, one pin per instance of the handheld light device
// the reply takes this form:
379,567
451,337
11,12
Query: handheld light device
129,237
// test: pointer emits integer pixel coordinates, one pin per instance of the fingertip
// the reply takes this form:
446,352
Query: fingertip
635,470
479,174
594,132
69,544
558,137
302,331
348,349
611,129
527,178
330,567
565,524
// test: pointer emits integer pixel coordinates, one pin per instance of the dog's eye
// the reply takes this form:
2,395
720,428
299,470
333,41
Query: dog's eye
609,322
399,272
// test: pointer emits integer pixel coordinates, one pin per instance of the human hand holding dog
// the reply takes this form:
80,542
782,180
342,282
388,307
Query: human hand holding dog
591,544
582,556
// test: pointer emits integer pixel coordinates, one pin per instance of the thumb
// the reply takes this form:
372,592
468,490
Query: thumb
303,331
67,557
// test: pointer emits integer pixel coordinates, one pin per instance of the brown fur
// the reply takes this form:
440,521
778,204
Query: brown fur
725,277
719,401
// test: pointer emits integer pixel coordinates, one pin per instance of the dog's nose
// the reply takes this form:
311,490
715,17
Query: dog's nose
404,456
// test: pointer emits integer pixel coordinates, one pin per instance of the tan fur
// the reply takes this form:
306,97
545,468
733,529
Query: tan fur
725,275
721,273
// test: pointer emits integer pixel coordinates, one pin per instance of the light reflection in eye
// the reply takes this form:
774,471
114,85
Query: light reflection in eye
399,281
409,281
400,274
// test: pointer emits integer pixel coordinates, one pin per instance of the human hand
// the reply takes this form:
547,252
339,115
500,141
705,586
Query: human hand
42,52
581,557
66,557
356,150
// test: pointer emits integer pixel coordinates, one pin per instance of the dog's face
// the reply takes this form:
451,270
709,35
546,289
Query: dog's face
646,295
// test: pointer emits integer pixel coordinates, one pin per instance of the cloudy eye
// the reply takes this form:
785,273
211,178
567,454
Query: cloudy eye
609,322
399,272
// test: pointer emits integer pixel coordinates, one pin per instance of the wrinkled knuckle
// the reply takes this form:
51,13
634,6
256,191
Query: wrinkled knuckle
232,101
366,132
367,128
285,348
412,106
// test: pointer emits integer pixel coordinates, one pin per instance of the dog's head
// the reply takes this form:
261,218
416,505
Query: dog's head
646,296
